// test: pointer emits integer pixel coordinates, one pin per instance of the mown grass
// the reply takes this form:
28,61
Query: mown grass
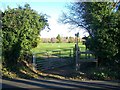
55,50
58,49
64,50
42,47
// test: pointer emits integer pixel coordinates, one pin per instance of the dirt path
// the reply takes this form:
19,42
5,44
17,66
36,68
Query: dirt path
65,71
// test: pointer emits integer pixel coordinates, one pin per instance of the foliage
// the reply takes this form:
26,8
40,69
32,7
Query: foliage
58,38
102,25
20,29
103,73
71,40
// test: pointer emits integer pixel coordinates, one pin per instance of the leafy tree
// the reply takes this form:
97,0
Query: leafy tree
102,25
20,29
71,39
58,38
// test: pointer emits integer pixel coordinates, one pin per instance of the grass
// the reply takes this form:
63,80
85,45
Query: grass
42,47
55,51
26,70
64,50
60,50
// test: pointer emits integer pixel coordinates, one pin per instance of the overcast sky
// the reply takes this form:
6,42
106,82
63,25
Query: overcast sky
52,8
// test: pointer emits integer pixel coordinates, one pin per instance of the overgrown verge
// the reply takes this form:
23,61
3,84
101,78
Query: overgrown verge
25,70
22,70
103,73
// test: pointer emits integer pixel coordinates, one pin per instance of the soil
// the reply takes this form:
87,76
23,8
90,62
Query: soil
66,71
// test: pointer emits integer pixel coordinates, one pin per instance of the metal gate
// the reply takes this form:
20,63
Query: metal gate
52,59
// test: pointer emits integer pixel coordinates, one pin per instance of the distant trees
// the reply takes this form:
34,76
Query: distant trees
71,40
20,29
103,26
62,40
58,38
53,40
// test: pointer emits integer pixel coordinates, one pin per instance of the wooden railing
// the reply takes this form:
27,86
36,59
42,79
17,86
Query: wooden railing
85,56
58,58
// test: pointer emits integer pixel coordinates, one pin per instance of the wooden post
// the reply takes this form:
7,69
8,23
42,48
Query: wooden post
70,53
34,60
89,55
77,35
85,54
96,63
76,54
76,60
59,54
47,54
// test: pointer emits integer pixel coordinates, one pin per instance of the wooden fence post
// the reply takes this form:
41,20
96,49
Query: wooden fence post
34,60
70,53
59,54
47,54
76,54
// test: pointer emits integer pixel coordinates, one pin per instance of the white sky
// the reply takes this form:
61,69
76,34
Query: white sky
52,8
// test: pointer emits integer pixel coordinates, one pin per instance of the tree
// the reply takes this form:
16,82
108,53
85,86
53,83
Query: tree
102,25
58,38
20,29
71,40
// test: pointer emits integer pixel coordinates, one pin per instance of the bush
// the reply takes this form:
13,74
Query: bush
20,28
103,74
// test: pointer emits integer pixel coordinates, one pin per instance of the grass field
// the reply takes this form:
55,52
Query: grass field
42,47
56,49
54,52
64,50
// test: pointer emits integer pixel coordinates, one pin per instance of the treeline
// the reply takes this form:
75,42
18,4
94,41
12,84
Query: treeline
61,40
